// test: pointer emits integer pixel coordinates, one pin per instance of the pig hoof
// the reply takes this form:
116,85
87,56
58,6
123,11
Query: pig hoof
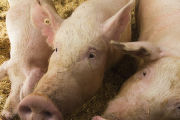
5,115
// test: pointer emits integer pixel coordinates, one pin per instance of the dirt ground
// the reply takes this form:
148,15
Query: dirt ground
112,81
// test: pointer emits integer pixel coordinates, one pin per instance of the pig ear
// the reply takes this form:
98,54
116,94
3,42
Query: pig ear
116,25
46,19
145,50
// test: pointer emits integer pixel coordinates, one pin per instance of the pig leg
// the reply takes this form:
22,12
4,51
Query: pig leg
10,107
31,81
3,69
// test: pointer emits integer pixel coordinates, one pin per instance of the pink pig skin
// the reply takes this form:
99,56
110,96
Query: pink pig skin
29,52
153,92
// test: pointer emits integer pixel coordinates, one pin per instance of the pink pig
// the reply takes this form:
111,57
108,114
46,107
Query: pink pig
82,54
29,52
153,93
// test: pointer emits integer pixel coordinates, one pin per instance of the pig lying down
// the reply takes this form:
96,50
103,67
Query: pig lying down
153,93
29,53
149,95
82,54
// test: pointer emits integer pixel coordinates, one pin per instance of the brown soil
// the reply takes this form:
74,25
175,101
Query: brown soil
113,78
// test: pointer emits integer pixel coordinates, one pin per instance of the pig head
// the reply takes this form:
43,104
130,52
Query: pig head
81,55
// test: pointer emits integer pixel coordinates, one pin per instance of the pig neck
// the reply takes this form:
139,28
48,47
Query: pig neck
160,24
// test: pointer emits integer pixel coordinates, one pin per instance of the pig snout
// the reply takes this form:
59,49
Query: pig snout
36,107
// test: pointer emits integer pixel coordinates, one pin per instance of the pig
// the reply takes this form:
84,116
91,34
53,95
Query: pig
29,52
153,93
82,54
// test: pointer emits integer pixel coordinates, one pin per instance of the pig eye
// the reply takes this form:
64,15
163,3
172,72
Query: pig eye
144,73
91,53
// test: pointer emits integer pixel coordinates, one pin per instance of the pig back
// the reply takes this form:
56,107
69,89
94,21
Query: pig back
157,13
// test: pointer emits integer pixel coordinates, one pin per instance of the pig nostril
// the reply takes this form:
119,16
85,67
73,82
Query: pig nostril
47,114
25,109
